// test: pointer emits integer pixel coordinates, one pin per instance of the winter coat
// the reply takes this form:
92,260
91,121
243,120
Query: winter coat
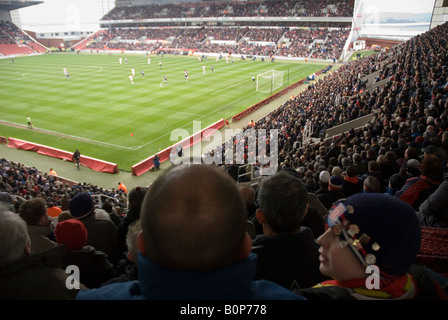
40,238
37,277
102,235
291,260
433,212
94,266
416,190
233,282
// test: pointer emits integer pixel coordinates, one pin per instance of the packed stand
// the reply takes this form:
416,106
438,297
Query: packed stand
370,180
403,151
318,43
337,8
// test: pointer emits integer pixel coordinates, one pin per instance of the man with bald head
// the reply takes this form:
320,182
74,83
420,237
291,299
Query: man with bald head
193,244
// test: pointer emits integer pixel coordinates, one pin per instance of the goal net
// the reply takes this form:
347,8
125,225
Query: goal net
269,81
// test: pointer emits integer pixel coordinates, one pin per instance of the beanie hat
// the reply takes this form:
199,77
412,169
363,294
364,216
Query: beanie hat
72,233
81,205
336,182
419,139
380,230
324,176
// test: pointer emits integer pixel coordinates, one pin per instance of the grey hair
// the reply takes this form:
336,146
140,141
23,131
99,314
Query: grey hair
13,236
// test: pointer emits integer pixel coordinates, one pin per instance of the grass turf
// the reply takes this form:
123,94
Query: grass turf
102,114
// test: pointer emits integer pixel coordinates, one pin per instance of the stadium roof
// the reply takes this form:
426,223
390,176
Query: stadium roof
16,4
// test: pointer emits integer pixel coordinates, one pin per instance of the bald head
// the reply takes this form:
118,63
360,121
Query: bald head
193,218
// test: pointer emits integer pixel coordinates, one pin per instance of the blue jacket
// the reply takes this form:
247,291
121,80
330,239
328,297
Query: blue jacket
232,283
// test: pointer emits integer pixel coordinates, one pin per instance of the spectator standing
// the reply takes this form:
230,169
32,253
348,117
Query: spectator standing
76,158
122,187
156,162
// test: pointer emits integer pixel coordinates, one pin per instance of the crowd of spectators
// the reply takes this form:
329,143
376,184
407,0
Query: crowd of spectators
23,183
14,41
11,34
8,32
402,152
318,43
334,8
237,39
407,138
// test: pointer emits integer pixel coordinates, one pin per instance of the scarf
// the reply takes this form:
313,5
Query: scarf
354,179
390,288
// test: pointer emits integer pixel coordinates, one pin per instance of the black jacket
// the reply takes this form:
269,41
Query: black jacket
94,266
291,260
329,197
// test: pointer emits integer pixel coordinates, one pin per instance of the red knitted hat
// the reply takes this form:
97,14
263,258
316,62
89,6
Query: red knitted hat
72,233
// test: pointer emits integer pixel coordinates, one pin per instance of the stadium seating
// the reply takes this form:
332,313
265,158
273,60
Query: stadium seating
412,87
14,41
434,249
302,8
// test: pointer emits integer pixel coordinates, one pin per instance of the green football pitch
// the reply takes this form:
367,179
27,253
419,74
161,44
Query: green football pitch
100,112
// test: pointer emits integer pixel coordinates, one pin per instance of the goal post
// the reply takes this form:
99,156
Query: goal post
269,81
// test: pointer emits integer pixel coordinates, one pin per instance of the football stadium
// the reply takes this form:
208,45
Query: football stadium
325,123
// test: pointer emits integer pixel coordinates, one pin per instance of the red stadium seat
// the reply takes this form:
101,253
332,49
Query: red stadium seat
434,249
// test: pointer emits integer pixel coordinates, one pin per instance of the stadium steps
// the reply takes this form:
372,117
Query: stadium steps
34,44
81,45
37,47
